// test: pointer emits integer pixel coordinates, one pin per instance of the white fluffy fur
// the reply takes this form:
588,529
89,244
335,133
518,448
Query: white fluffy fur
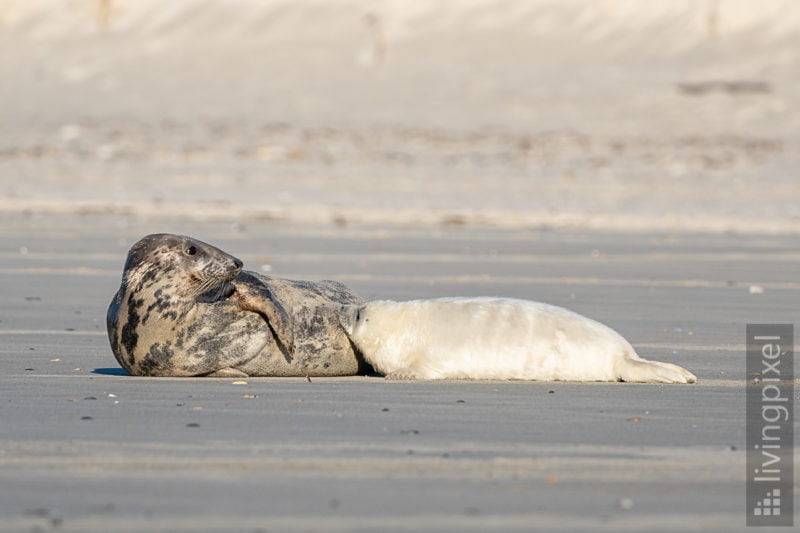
495,338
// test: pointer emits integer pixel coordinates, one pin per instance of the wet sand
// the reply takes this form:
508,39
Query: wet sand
90,449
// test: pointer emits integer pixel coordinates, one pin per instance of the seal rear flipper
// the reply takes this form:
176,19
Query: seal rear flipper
644,371
690,378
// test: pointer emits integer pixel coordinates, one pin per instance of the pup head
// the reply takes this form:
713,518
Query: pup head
352,318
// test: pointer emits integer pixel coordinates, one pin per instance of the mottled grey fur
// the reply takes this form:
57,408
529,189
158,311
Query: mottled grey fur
186,308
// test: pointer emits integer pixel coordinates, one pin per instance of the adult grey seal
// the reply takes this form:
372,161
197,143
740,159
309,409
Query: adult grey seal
186,308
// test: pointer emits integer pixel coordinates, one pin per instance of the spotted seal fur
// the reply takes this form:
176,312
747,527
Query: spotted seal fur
186,308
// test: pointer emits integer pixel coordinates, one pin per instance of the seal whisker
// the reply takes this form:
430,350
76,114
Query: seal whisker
207,285
216,294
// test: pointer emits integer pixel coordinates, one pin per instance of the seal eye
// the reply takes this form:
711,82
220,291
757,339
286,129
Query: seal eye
191,250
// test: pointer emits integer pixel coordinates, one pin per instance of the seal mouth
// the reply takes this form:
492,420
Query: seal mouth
220,292
229,275
217,287
232,275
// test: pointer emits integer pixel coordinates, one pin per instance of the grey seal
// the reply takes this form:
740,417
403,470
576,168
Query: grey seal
186,308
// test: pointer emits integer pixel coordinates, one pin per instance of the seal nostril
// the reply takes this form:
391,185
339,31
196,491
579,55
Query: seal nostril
238,263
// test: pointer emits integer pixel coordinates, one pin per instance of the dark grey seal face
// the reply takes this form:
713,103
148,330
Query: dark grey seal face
195,267
164,277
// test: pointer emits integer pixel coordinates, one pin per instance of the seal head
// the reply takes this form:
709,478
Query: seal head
197,269
164,278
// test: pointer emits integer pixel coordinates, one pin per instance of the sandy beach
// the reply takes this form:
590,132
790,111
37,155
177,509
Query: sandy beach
606,115
636,163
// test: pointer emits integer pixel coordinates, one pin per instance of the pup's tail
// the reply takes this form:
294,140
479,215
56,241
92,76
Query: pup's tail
644,371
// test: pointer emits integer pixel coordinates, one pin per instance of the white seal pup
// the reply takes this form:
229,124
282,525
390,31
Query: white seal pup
495,338
186,308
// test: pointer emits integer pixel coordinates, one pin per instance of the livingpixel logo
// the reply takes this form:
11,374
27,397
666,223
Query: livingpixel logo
770,425
770,505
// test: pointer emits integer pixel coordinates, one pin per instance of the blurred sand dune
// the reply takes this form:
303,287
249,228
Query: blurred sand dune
675,116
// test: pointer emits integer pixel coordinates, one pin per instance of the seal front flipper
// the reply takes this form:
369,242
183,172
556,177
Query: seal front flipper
260,300
226,373
408,373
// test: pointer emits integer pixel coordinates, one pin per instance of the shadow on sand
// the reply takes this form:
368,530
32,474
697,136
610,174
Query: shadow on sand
110,372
